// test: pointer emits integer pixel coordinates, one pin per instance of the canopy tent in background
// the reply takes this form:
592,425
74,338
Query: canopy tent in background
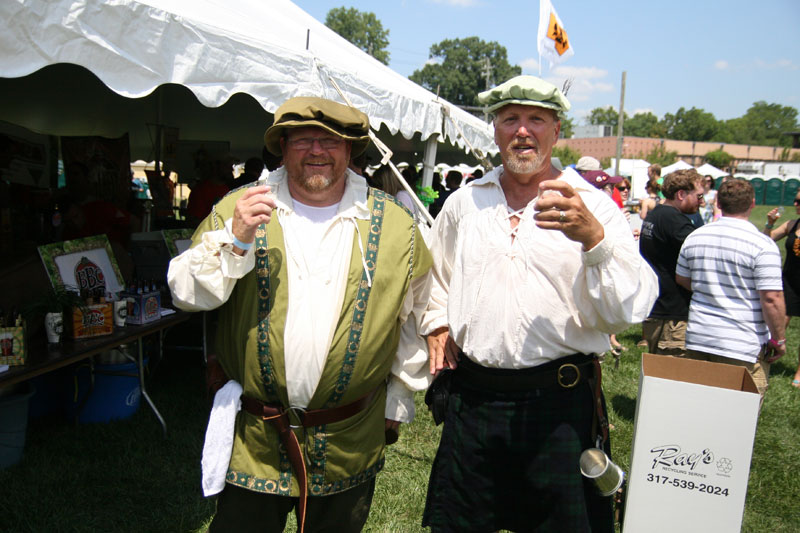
680,164
707,169
209,70
636,172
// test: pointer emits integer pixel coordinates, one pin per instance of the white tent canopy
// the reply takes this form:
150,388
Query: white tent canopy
707,169
154,54
636,171
680,164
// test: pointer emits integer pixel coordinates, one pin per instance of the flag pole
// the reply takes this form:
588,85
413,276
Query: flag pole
620,123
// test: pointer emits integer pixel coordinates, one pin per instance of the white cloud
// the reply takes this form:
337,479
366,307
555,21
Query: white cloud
586,73
779,64
586,81
529,66
457,3
721,65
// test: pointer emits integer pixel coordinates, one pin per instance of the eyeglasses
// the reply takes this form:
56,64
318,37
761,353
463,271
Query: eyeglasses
305,143
623,188
689,192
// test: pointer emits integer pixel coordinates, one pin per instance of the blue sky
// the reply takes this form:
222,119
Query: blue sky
716,55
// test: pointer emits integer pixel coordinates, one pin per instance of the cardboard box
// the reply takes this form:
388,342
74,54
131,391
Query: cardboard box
95,321
143,308
692,443
13,346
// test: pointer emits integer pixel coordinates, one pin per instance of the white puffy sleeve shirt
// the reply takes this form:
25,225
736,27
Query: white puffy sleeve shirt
517,303
203,277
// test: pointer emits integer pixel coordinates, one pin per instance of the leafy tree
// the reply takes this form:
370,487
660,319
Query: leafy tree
567,127
644,125
690,125
659,156
718,158
361,28
766,124
606,116
566,155
733,131
458,70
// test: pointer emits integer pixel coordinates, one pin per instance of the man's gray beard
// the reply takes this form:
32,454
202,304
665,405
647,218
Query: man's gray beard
523,165
315,183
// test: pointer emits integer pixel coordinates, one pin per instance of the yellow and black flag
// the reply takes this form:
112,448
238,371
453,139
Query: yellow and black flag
553,42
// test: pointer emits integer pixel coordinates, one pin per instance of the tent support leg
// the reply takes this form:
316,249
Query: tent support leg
429,161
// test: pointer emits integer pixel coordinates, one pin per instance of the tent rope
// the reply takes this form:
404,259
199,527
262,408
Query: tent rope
477,152
386,156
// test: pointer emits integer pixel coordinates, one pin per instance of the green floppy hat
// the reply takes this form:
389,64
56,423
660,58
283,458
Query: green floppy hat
525,90
310,111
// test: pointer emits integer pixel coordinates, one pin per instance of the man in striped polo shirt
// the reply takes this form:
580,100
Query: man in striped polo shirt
737,313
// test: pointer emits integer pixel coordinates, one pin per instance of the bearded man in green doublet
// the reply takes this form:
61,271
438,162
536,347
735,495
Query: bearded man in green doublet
319,281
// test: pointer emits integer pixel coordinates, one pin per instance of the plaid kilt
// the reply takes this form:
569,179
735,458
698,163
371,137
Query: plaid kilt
510,460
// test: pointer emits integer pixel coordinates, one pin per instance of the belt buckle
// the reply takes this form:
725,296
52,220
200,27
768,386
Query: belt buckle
560,376
298,411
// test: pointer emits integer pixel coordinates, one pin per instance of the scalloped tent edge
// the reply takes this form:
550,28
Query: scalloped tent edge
270,51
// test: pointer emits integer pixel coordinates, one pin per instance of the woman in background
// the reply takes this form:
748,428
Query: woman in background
710,212
652,188
791,266
386,181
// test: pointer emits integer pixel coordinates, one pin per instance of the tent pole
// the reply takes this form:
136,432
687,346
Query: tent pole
429,161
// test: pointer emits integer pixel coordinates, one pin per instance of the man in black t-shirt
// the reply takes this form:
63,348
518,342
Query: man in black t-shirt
662,234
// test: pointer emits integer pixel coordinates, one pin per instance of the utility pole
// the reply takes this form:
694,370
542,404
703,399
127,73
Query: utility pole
487,76
620,123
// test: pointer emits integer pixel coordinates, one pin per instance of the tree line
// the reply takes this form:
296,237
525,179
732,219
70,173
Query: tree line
459,69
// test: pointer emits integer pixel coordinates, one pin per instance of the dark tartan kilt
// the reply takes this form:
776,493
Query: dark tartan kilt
511,461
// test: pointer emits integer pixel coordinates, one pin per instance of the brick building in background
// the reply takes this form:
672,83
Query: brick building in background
689,151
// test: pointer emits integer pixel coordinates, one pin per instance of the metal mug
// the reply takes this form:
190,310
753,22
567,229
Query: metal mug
607,476
120,312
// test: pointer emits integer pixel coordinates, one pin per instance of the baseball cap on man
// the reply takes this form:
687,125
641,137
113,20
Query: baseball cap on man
600,179
525,90
310,111
587,162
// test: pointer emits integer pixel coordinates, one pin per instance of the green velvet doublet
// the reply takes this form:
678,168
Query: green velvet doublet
249,344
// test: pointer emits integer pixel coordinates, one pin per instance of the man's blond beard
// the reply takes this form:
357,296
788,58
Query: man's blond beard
522,164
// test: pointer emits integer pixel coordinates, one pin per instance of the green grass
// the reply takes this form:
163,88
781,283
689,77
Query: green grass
125,476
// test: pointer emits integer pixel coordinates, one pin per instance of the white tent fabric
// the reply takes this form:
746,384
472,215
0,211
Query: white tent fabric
636,171
269,49
680,164
707,169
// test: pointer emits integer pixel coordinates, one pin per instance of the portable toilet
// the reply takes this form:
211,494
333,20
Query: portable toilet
759,186
790,187
774,193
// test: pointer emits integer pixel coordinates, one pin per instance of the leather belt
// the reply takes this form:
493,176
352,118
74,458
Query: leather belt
563,373
278,416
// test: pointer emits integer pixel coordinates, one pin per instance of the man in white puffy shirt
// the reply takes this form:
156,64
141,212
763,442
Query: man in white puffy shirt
318,280
533,269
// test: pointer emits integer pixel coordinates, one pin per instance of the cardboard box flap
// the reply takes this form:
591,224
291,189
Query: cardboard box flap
698,372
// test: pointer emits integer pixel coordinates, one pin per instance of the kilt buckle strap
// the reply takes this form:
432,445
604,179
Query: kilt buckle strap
568,375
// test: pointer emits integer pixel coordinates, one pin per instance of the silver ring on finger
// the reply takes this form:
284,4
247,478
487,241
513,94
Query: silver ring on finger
562,216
